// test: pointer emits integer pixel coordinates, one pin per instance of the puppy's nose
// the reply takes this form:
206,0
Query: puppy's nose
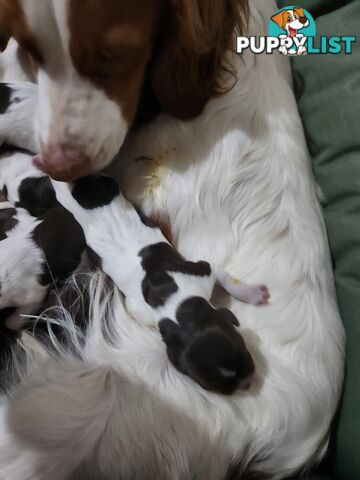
245,384
303,20
63,163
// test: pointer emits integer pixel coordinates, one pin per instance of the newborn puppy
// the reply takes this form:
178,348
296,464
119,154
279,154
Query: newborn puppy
35,253
161,287
18,102
21,266
24,185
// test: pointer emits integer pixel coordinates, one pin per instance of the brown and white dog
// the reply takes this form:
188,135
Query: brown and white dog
292,21
236,184
92,60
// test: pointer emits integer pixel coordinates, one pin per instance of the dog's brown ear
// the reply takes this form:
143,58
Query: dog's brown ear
6,9
189,59
5,26
13,24
280,18
4,39
299,11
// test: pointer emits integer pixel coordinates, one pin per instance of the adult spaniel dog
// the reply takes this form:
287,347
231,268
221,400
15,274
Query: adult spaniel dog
224,168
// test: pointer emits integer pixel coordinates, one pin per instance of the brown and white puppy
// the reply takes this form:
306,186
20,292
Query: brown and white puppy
291,20
92,60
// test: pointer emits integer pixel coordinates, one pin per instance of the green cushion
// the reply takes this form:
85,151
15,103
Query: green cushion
328,89
317,7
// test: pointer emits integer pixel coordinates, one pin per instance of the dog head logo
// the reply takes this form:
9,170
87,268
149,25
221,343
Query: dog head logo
293,25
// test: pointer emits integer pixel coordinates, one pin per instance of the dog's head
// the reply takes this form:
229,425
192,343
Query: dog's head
291,20
92,58
205,345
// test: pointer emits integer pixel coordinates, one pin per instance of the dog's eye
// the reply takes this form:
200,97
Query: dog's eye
289,19
296,17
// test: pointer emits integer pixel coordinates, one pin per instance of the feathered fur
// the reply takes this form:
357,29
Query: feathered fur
238,188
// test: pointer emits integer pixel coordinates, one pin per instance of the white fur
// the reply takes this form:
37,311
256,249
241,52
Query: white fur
70,110
17,123
14,65
21,263
14,168
238,188
116,233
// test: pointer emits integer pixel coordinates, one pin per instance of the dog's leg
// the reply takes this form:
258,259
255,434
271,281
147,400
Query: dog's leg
253,294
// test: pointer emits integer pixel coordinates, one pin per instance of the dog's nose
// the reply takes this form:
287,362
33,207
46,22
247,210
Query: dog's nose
303,20
63,163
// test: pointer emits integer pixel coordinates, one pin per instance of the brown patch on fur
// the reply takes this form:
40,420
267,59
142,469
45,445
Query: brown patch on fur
112,45
196,35
280,18
13,24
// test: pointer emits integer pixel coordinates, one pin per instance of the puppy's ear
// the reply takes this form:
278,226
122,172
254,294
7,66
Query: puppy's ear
299,11
189,59
170,331
157,288
280,19
228,316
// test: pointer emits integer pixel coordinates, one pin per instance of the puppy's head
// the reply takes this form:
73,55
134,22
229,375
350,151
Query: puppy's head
205,345
291,20
92,60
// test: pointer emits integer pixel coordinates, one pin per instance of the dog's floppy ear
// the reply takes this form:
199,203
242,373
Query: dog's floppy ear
299,11
5,23
189,59
4,38
13,24
280,18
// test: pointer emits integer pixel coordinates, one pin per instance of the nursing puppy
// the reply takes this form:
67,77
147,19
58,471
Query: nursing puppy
21,266
24,185
35,254
40,242
163,288
17,109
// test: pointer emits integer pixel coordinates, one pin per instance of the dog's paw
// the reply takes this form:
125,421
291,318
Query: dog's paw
283,50
256,295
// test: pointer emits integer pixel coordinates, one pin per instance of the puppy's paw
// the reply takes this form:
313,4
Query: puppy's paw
255,294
